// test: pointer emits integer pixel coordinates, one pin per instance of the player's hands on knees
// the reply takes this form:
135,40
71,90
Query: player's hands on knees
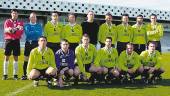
152,69
131,70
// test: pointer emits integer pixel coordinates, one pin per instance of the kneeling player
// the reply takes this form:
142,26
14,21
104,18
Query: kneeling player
106,59
85,55
41,63
151,63
129,62
65,63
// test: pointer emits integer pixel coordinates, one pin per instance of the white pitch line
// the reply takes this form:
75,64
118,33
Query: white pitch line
19,90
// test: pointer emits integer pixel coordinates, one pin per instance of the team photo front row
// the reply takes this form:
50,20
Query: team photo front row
91,65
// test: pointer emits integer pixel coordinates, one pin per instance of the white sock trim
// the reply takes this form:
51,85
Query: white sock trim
5,67
15,67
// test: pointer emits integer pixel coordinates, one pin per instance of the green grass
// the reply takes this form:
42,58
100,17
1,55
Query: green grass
9,86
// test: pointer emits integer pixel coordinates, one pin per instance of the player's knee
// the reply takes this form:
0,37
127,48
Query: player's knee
7,58
115,73
16,58
141,69
105,71
34,74
70,72
76,72
51,71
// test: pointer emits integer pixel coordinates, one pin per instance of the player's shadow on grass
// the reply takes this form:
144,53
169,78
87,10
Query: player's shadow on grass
138,85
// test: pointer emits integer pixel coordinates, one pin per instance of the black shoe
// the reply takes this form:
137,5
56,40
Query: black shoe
24,77
49,84
153,81
15,77
5,77
132,81
144,80
159,78
76,82
123,79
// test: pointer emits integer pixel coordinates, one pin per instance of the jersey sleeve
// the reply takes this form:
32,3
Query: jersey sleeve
122,62
79,59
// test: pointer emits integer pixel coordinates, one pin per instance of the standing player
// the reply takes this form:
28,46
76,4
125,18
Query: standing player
85,55
151,60
107,30
106,59
155,31
41,63
72,31
139,38
124,32
129,62
13,30
33,31
65,62
91,28
53,31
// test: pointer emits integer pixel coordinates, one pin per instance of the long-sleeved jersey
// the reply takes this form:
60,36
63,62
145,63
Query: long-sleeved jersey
151,60
65,59
53,32
106,57
32,31
124,33
9,23
154,32
85,56
139,34
91,28
107,31
41,59
129,61
72,33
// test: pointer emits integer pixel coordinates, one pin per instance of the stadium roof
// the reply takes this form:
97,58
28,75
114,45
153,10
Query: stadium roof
147,4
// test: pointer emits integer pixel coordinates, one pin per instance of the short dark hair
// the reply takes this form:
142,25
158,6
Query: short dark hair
125,15
140,15
72,14
108,14
42,37
153,15
151,42
14,10
108,38
54,12
64,40
86,35
129,44
90,11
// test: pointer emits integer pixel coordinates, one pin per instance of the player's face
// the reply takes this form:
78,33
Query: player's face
129,49
153,18
33,18
139,19
108,43
54,16
90,15
125,19
108,19
71,19
85,40
64,45
42,42
151,47
14,15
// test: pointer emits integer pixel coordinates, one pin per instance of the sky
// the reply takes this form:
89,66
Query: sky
147,4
